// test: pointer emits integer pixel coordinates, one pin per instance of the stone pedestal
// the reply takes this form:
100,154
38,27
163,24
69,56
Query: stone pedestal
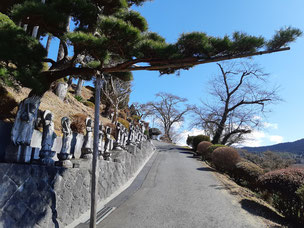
117,146
18,154
35,153
65,164
86,153
46,157
107,156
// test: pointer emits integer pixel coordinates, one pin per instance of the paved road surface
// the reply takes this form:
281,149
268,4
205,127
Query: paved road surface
177,192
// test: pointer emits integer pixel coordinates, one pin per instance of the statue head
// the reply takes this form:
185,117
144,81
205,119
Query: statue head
25,121
47,117
65,123
89,124
29,109
108,130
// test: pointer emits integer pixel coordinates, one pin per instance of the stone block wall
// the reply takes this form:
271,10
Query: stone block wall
41,196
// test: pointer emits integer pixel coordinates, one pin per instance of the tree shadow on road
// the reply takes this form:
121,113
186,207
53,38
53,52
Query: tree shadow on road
205,169
222,187
258,209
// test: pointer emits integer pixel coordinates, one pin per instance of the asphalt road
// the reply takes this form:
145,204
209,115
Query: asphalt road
178,192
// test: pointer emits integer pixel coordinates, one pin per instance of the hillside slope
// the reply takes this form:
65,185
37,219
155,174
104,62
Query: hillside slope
296,147
59,108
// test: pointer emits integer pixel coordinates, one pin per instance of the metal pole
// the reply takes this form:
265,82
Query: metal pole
95,154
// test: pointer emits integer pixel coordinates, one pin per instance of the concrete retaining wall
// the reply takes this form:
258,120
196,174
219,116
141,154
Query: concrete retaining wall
40,196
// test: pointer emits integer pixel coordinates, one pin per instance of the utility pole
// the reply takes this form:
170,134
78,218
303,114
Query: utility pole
95,154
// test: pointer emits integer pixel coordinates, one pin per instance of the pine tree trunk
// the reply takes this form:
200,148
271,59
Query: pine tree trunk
61,92
79,87
70,81
48,44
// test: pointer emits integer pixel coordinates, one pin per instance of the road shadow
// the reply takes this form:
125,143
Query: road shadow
219,187
205,169
258,209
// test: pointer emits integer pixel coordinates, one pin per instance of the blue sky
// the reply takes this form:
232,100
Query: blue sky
170,18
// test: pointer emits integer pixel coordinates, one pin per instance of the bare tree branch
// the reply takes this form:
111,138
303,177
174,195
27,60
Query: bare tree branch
168,111
238,97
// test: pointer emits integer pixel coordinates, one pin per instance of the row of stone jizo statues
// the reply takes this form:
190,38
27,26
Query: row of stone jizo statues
23,129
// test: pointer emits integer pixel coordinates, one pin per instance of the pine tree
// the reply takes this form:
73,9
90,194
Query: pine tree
113,36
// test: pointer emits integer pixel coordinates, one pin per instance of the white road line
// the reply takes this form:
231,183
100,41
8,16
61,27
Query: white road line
103,217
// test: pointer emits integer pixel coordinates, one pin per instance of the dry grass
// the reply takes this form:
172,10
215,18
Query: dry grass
60,108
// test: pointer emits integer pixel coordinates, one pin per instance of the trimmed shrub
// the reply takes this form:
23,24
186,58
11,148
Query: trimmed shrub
189,140
89,104
197,139
247,173
202,148
78,124
286,188
285,181
124,122
210,149
225,158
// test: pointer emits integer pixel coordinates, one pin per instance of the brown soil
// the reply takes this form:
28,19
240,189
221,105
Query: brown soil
59,108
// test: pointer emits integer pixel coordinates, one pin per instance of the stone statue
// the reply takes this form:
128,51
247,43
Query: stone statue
100,141
64,156
118,136
123,136
136,135
48,131
24,124
107,153
87,148
131,135
48,137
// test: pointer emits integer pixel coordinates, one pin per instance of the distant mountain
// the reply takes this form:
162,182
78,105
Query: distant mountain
296,147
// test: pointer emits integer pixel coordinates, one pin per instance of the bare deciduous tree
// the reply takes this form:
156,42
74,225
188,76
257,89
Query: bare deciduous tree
116,92
239,96
168,111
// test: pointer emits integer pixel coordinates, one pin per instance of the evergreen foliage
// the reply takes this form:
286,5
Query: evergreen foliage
20,57
111,35
197,139
189,140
